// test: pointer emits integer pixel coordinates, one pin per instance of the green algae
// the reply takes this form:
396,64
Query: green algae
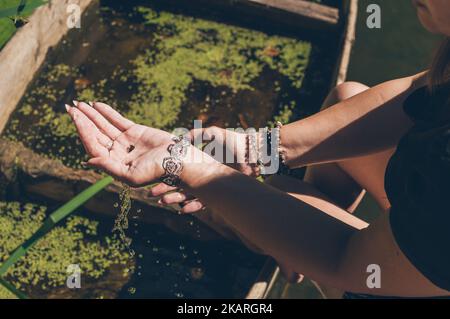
6,294
191,49
45,265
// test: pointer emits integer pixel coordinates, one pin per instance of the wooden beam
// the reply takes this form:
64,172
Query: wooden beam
306,9
297,12
299,15
35,174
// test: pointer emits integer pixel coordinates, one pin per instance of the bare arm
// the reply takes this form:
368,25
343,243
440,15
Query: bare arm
367,123
333,248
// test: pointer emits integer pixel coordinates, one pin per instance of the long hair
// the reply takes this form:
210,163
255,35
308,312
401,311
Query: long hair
439,75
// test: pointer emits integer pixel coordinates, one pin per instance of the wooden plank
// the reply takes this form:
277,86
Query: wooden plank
291,14
35,174
321,14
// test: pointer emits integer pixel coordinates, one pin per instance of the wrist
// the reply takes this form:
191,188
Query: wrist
183,163
199,169
290,146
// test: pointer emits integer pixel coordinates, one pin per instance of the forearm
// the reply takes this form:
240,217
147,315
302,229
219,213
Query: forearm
333,248
287,229
367,123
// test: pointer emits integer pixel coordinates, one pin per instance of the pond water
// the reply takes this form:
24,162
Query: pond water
165,265
163,68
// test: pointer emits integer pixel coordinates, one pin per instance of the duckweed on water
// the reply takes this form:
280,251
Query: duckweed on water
191,49
154,83
73,242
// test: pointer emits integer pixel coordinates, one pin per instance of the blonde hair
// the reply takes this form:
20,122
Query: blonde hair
439,75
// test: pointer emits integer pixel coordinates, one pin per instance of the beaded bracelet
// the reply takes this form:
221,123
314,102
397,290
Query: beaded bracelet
253,148
281,156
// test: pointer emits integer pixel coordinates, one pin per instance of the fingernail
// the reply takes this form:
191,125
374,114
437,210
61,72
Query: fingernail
91,103
84,164
75,102
160,201
67,107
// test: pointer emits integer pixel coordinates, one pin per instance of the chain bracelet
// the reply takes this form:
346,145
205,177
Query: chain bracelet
173,164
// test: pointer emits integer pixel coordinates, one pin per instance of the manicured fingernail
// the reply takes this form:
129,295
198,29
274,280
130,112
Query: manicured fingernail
160,201
67,107
91,103
84,164
75,102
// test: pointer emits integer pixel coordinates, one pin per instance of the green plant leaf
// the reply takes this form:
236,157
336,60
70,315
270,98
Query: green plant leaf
22,8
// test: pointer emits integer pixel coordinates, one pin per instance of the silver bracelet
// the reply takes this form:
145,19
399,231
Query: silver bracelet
253,153
173,164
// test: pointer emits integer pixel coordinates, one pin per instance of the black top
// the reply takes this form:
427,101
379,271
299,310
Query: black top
417,183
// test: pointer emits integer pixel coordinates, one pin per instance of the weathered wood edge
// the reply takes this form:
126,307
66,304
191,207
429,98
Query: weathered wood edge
304,13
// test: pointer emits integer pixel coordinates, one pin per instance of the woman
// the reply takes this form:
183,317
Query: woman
392,140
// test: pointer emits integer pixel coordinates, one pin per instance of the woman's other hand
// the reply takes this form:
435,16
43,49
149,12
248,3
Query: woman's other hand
232,142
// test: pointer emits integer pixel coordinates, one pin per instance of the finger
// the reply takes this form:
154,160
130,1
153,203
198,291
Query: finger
88,133
113,116
160,189
110,166
192,207
98,119
105,141
173,198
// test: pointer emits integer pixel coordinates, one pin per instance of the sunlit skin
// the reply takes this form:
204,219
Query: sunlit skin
307,226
